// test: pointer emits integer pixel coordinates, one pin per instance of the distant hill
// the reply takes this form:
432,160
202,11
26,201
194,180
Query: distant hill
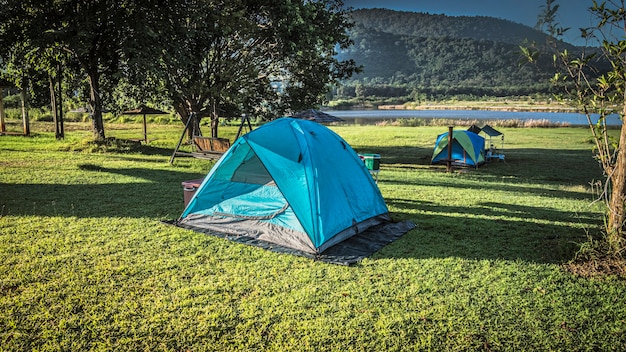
408,54
418,24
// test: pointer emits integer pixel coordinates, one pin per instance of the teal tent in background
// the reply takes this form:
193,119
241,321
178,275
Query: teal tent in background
468,149
291,182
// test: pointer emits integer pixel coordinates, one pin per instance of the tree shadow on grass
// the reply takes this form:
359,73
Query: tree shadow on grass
492,186
500,210
398,155
497,230
153,150
121,145
155,194
490,231
552,169
553,165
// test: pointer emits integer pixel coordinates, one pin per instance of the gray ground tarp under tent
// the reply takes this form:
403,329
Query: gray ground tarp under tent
348,252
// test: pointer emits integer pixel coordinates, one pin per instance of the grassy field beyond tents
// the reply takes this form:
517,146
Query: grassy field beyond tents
87,264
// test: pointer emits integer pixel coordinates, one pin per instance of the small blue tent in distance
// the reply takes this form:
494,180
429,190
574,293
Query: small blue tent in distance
291,182
468,149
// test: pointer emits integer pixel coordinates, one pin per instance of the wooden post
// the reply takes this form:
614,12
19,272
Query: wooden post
3,127
53,106
25,121
60,127
215,120
145,129
450,139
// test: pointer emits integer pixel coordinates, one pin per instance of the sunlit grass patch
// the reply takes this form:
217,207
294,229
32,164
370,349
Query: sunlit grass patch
87,264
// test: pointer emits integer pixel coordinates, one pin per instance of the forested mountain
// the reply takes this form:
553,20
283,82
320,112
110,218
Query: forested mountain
440,26
435,56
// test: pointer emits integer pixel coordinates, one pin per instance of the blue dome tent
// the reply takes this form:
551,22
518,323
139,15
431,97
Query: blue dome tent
290,182
468,149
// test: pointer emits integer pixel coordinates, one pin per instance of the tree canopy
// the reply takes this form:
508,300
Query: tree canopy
209,57
225,58
86,36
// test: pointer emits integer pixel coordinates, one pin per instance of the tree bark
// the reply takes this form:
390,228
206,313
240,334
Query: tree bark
194,126
215,120
53,107
95,104
25,120
185,111
60,123
3,127
617,216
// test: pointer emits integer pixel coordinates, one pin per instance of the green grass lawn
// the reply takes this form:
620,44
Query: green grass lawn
87,264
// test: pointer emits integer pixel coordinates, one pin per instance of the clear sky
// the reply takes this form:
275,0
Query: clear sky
572,13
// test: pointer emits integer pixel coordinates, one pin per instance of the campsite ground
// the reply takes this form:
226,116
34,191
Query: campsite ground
86,264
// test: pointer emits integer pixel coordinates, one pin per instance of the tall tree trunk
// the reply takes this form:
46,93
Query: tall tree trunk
95,104
25,120
56,104
617,216
215,120
60,124
194,126
185,110
53,106
3,127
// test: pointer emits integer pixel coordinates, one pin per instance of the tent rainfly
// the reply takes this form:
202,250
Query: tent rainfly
290,182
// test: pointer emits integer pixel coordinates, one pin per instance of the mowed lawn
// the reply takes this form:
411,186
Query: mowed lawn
86,263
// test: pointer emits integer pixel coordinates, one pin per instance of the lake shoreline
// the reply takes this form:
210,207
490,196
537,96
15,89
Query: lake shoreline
501,115
512,108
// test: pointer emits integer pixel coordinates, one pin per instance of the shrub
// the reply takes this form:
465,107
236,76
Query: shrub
12,101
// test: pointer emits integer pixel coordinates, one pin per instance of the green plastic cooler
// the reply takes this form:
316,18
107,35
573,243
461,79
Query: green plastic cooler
372,161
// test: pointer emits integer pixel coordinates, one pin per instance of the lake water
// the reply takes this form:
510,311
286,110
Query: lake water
373,116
